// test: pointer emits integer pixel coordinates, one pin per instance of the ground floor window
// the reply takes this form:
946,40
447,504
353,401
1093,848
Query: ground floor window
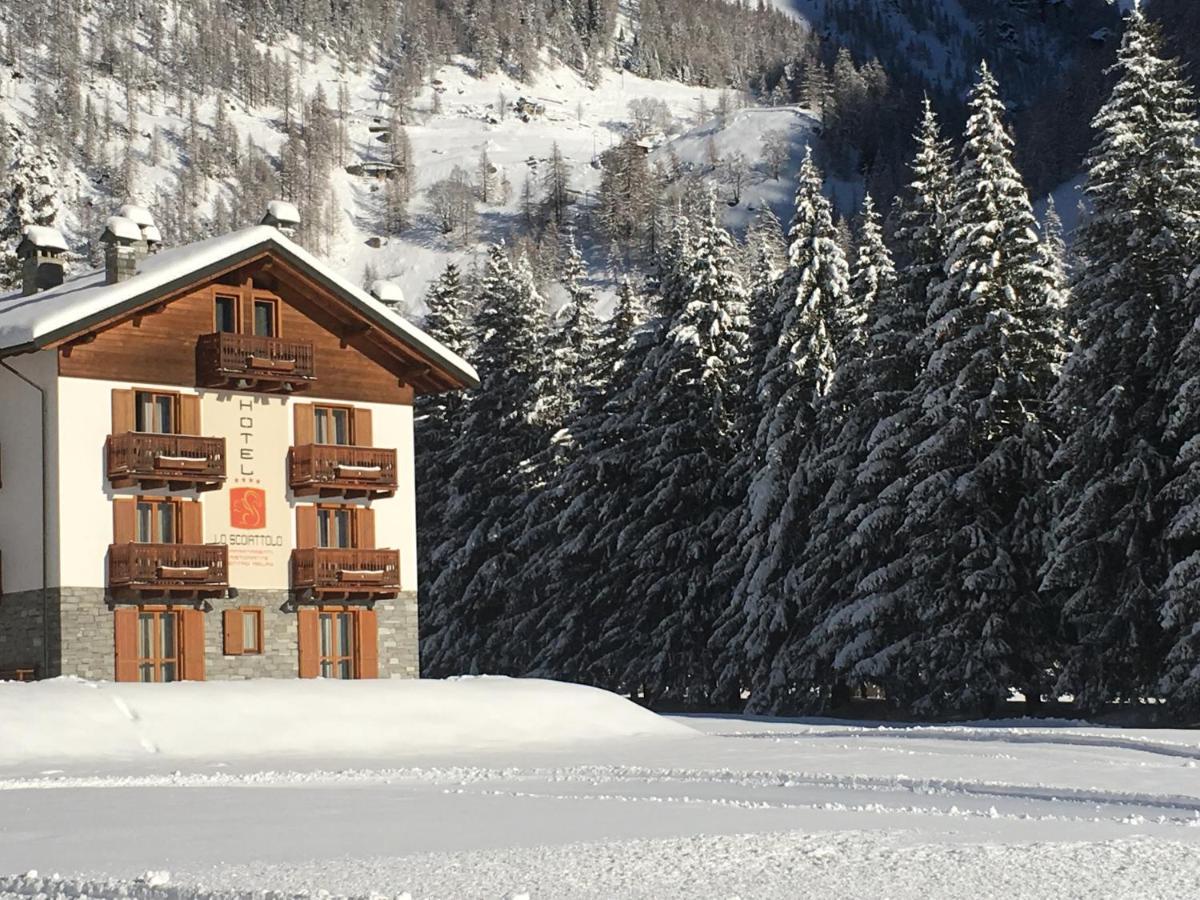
158,646
158,643
340,641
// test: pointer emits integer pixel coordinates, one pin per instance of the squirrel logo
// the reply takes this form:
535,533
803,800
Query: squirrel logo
248,508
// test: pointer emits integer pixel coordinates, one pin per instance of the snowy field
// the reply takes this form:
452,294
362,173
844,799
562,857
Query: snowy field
491,788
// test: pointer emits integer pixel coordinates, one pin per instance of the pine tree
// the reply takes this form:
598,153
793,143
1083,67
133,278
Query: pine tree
972,534
465,597
1123,555
868,635
438,417
831,564
680,447
795,373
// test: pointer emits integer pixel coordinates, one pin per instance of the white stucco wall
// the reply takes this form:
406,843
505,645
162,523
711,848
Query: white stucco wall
85,421
21,525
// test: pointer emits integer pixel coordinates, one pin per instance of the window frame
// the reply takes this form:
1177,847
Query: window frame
252,323
155,530
172,396
218,296
256,612
334,660
329,409
332,509
156,660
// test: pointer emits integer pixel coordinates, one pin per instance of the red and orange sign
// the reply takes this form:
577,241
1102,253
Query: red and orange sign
247,508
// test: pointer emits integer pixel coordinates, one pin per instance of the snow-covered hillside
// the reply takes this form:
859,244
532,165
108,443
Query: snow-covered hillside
147,134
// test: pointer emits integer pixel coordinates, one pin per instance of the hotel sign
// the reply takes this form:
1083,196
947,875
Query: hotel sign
250,513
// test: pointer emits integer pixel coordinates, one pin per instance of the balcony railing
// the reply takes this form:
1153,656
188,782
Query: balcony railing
198,568
177,461
249,362
328,570
330,470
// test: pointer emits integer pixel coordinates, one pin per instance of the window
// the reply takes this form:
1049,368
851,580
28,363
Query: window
243,631
331,424
336,630
252,629
335,527
264,318
158,645
155,413
226,314
156,521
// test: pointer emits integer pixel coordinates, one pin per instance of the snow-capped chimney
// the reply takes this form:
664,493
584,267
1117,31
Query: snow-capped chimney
282,215
41,253
123,245
140,216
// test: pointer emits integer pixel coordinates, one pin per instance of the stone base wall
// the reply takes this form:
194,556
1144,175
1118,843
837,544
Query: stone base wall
23,632
72,634
280,657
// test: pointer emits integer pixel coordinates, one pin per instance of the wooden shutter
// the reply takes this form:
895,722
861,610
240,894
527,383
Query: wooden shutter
191,522
307,627
123,418
125,623
362,428
364,528
189,414
306,527
124,520
368,644
231,623
303,418
192,645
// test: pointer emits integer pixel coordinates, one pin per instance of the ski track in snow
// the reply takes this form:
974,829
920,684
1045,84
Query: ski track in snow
763,809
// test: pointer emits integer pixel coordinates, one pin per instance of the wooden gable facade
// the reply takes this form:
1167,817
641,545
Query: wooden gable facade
156,342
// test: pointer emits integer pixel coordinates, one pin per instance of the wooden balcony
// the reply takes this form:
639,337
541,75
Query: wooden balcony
329,571
338,470
175,461
169,569
246,362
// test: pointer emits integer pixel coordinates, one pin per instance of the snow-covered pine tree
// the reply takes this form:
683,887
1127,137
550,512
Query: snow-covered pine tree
485,489
438,417
847,416
972,535
1126,555
794,374
562,539
30,197
868,635
680,448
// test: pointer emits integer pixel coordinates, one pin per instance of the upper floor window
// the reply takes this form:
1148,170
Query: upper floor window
156,522
335,527
264,318
155,413
226,313
332,425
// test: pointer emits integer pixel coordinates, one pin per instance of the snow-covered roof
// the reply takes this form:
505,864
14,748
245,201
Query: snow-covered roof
152,234
387,291
121,229
44,237
283,212
139,215
31,322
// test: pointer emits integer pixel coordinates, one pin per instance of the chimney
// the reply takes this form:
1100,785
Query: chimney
41,253
151,238
282,215
123,245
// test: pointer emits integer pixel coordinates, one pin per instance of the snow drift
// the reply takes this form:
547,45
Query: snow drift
71,719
